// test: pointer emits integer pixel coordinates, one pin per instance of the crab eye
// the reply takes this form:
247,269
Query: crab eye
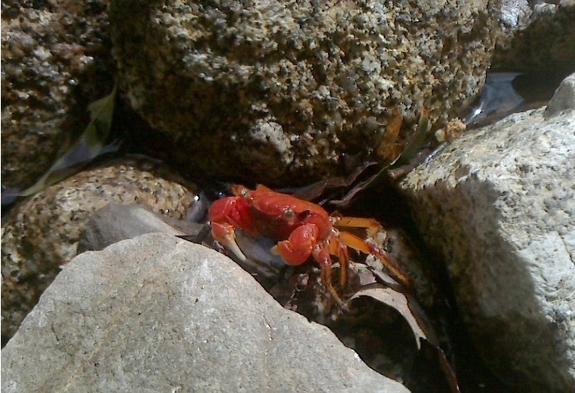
289,214
304,215
245,193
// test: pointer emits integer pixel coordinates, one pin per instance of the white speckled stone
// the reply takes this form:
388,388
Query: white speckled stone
499,204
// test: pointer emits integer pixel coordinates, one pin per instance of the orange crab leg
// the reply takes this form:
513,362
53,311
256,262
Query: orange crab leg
371,225
339,248
321,255
359,244
354,242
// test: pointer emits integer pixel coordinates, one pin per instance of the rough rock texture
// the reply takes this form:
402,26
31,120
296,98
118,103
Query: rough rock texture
564,98
499,205
157,313
536,35
279,92
56,59
43,232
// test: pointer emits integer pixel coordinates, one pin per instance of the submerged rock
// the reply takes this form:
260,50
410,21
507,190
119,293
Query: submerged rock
116,222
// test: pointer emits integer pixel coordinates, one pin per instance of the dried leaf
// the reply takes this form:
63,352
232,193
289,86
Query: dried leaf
315,190
452,130
389,149
396,300
448,371
413,315
408,154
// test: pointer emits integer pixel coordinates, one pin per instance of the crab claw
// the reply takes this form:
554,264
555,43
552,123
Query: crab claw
299,246
226,236
225,215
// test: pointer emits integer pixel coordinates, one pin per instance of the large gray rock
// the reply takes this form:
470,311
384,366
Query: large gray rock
285,92
499,204
157,313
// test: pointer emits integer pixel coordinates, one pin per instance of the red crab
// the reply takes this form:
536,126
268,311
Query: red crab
302,229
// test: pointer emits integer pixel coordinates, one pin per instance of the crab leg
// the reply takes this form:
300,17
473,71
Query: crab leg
359,244
321,255
303,243
371,225
339,248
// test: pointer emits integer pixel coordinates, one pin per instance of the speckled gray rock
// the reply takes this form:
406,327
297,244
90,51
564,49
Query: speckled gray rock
116,222
56,59
499,204
564,98
43,232
536,35
285,92
159,314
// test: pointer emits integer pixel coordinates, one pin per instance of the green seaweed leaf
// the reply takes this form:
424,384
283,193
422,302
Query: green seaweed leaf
88,146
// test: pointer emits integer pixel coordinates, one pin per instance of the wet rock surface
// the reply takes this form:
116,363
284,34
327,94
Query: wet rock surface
283,93
56,59
498,204
157,313
43,232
